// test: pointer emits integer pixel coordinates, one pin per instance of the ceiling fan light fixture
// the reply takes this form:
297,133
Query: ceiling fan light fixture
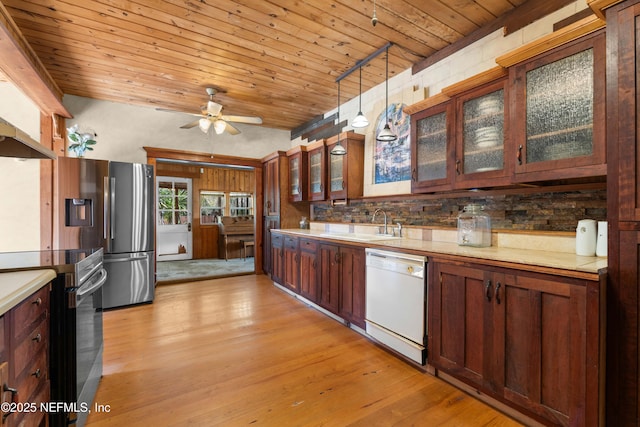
219,126
204,124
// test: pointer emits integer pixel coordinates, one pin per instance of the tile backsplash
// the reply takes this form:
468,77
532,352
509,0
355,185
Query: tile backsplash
553,211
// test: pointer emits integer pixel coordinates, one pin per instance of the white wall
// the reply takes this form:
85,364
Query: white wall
472,60
20,180
122,130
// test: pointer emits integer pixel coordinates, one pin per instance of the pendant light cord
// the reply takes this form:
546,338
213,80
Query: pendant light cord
386,89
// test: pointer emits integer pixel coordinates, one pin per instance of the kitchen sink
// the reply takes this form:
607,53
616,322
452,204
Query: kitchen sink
359,237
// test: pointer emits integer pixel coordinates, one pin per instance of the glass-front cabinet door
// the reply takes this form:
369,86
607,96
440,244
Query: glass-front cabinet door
317,170
431,153
297,173
482,133
560,106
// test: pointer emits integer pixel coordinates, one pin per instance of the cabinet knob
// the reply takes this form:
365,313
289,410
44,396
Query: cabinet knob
37,338
37,373
37,301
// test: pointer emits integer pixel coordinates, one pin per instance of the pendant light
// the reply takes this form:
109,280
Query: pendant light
338,149
386,134
360,121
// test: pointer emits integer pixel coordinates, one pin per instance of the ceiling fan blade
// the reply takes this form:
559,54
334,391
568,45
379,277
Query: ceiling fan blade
166,110
190,125
231,129
243,119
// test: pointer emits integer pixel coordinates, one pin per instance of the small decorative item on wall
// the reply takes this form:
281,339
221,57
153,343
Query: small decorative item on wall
392,159
80,142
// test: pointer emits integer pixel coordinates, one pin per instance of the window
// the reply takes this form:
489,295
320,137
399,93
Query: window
240,204
173,200
212,204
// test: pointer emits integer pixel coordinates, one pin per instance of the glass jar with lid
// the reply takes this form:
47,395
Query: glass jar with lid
474,227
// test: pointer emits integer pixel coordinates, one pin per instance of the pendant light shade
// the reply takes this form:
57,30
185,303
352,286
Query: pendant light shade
360,121
386,134
338,149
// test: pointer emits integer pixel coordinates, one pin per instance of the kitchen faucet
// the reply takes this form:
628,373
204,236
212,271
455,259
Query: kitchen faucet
373,218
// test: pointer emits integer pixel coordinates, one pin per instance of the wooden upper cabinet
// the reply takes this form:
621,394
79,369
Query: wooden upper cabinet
317,171
482,131
431,153
559,112
298,159
346,173
271,185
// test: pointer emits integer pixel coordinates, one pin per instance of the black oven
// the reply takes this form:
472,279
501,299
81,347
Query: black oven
77,340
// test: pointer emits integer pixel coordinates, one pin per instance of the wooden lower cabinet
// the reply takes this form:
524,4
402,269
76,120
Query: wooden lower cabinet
352,285
530,340
276,258
330,275
25,363
309,270
291,266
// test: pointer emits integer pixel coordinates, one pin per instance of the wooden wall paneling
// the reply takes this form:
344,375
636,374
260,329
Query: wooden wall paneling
47,169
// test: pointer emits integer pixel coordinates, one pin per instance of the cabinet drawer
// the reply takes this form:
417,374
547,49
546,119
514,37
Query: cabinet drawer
29,310
291,243
34,376
308,245
37,418
277,240
26,350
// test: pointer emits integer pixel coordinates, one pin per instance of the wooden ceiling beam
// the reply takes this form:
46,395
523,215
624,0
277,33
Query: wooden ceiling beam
23,68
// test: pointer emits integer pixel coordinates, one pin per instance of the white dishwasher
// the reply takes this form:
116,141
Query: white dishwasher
396,301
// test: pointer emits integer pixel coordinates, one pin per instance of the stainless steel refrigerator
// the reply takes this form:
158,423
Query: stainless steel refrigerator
110,205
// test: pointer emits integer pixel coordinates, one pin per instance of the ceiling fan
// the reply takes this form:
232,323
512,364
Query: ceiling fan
212,115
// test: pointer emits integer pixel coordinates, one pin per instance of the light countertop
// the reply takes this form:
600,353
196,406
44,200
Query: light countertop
18,285
569,262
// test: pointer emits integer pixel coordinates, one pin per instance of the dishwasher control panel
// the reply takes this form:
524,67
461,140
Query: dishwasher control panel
411,265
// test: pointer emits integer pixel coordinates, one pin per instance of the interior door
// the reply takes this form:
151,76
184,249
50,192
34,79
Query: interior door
175,240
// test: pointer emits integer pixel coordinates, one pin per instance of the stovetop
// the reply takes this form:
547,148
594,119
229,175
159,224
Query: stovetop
62,260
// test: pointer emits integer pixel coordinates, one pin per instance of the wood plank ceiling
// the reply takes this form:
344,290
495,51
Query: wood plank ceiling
278,59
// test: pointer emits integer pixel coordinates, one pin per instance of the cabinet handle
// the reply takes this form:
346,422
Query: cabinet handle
458,167
37,373
314,264
343,185
519,155
337,257
14,395
487,290
414,176
497,293
37,338
37,301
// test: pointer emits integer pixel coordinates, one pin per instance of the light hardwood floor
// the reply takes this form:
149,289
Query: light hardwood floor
238,351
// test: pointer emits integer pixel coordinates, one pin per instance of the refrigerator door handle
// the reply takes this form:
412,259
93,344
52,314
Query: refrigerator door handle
105,208
112,190
127,259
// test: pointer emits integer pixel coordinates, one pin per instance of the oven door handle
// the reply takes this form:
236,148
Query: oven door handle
84,291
